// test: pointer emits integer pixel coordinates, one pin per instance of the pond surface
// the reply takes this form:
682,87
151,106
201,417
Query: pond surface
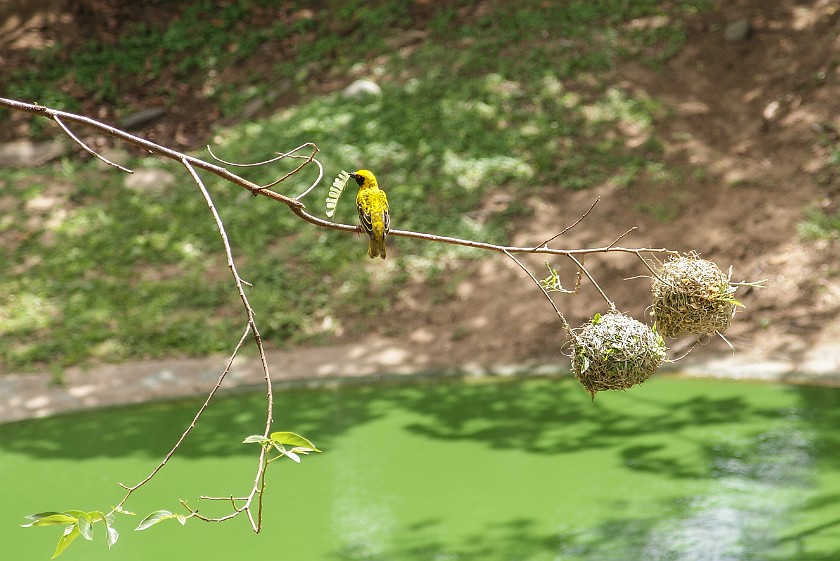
448,470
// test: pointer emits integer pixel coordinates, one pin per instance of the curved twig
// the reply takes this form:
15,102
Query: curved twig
567,228
566,325
87,148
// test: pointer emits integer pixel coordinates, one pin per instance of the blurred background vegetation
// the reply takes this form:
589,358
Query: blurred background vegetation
512,98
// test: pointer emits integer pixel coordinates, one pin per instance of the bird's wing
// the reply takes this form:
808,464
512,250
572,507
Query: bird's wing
363,206
386,215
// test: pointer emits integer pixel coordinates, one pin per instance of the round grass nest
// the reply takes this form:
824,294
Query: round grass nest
615,352
692,295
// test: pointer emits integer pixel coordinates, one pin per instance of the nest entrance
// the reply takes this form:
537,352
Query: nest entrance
692,295
615,352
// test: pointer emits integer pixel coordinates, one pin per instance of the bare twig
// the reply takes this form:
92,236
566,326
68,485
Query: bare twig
297,207
289,154
149,146
189,428
276,158
87,148
567,228
544,291
615,241
592,279
252,328
753,284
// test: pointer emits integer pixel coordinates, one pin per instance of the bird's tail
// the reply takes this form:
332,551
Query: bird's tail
376,248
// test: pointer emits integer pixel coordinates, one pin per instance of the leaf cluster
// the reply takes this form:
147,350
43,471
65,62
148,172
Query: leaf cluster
77,523
287,444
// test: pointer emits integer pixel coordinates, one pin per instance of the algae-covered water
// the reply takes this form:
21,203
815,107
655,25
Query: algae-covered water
455,470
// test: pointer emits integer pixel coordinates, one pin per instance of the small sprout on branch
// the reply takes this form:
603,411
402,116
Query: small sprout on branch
615,352
335,192
692,295
552,282
279,441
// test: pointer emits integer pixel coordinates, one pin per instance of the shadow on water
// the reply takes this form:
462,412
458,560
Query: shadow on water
539,416
152,428
753,479
618,539
764,481
820,408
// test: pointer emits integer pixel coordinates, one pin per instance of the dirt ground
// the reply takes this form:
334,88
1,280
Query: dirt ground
761,114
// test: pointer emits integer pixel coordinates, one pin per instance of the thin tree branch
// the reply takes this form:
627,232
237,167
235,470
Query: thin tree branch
298,207
252,327
567,228
149,146
615,241
189,428
593,281
87,148
566,325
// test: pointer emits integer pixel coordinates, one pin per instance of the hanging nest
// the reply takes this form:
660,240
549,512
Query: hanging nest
692,295
615,352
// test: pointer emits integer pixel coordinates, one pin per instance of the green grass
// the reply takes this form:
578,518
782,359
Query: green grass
823,224
819,225
518,100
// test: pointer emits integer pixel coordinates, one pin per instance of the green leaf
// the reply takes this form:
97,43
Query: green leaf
76,513
96,516
335,192
181,519
49,519
292,439
113,535
154,518
70,534
302,450
121,510
292,456
596,319
255,439
85,527
584,366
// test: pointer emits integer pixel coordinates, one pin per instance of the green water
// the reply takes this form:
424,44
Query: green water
444,471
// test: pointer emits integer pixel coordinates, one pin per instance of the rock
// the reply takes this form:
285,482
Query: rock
252,108
24,153
149,179
116,154
360,89
408,37
771,110
140,119
737,30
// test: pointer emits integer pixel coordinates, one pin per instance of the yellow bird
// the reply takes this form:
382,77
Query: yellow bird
372,205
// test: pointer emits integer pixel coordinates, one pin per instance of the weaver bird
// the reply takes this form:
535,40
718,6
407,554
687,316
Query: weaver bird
372,205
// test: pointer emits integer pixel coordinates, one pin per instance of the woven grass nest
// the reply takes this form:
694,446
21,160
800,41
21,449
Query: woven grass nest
615,352
692,295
